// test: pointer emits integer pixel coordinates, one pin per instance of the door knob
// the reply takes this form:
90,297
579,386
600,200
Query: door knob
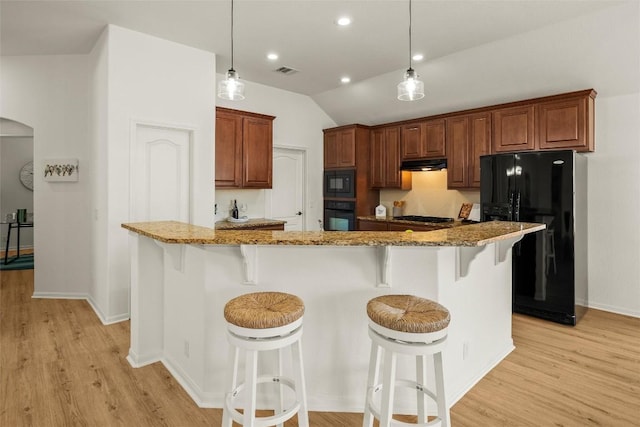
299,213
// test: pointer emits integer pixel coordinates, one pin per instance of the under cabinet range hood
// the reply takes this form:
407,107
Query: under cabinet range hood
423,165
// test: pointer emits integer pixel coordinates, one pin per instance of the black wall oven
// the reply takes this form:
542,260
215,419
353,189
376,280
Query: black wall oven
340,184
339,215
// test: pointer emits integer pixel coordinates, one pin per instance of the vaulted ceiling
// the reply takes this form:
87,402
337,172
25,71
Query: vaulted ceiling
372,51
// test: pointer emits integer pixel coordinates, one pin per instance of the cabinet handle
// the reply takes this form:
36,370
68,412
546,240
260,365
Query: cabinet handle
299,213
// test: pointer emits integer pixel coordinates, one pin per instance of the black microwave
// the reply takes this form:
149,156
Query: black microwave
340,183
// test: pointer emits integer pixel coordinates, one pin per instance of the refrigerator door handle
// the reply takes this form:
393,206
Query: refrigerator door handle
516,212
511,213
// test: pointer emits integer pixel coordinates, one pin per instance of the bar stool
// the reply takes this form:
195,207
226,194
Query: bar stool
258,322
405,324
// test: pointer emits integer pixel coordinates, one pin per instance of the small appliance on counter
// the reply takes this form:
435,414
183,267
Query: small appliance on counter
381,211
398,207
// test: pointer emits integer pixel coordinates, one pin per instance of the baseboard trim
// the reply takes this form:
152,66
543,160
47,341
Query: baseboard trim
614,309
73,295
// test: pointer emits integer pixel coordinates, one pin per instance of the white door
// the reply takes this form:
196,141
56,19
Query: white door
160,175
287,194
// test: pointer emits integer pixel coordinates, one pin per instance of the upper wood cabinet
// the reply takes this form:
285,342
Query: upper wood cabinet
514,129
468,138
423,140
384,165
244,149
567,123
556,122
340,148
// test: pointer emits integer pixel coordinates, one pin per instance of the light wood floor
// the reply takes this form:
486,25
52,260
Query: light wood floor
59,366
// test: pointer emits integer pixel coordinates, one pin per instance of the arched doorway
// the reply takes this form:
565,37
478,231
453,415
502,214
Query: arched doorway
16,182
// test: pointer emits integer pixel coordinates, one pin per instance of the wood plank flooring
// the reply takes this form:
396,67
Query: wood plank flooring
59,366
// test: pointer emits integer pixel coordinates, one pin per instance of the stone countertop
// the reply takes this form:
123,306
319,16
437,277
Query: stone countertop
478,234
251,223
454,223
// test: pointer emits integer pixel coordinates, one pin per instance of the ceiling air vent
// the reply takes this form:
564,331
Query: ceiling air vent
286,71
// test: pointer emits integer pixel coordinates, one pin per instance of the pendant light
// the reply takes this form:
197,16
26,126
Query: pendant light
410,89
231,88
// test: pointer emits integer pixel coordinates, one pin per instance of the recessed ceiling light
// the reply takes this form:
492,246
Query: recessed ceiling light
418,57
272,56
343,21
345,79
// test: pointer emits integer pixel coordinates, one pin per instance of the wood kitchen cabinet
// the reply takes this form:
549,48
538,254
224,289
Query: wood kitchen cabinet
468,138
382,225
385,160
340,148
423,140
244,149
372,225
514,129
567,123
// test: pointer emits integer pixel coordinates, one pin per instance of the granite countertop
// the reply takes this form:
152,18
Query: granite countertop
252,222
478,234
450,224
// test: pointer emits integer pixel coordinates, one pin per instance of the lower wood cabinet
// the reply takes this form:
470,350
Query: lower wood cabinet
381,225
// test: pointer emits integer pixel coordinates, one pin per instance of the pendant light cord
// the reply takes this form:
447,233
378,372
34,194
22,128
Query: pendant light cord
410,34
232,34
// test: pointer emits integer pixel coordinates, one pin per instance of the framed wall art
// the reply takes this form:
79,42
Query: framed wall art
60,170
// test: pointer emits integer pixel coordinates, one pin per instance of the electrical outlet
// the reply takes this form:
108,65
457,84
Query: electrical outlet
186,348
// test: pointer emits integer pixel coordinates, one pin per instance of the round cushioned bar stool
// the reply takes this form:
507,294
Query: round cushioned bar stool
257,322
405,324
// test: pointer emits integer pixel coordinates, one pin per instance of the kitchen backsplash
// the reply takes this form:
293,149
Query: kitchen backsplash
252,200
429,196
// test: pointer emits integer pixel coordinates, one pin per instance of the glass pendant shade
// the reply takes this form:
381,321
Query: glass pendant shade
411,88
231,88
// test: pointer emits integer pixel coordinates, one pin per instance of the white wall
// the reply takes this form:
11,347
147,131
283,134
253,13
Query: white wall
614,201
150,80
299,123
49,94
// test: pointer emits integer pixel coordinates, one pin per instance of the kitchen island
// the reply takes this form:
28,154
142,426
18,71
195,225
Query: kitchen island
182,276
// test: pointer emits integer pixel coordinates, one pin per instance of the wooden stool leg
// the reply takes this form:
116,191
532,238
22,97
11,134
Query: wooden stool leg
301,393
250,379
234,353
372,380
388,388
421,378
443,407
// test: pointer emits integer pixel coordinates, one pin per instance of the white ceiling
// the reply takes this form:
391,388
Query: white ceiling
302,32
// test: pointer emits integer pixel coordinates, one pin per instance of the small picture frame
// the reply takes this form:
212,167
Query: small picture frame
465,210
61,170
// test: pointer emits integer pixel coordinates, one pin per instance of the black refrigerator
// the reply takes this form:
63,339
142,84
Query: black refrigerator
549,267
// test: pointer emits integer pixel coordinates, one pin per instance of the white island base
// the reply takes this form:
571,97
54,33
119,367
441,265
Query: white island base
178,292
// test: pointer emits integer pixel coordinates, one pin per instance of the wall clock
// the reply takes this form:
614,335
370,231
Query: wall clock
26,175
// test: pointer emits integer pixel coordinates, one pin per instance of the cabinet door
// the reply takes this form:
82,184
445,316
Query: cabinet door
347,149
479,145
330,150
228,150
458,152
377,158
434,139
366,225
563,124
257,152
394,226
393,176
411,141
513,129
